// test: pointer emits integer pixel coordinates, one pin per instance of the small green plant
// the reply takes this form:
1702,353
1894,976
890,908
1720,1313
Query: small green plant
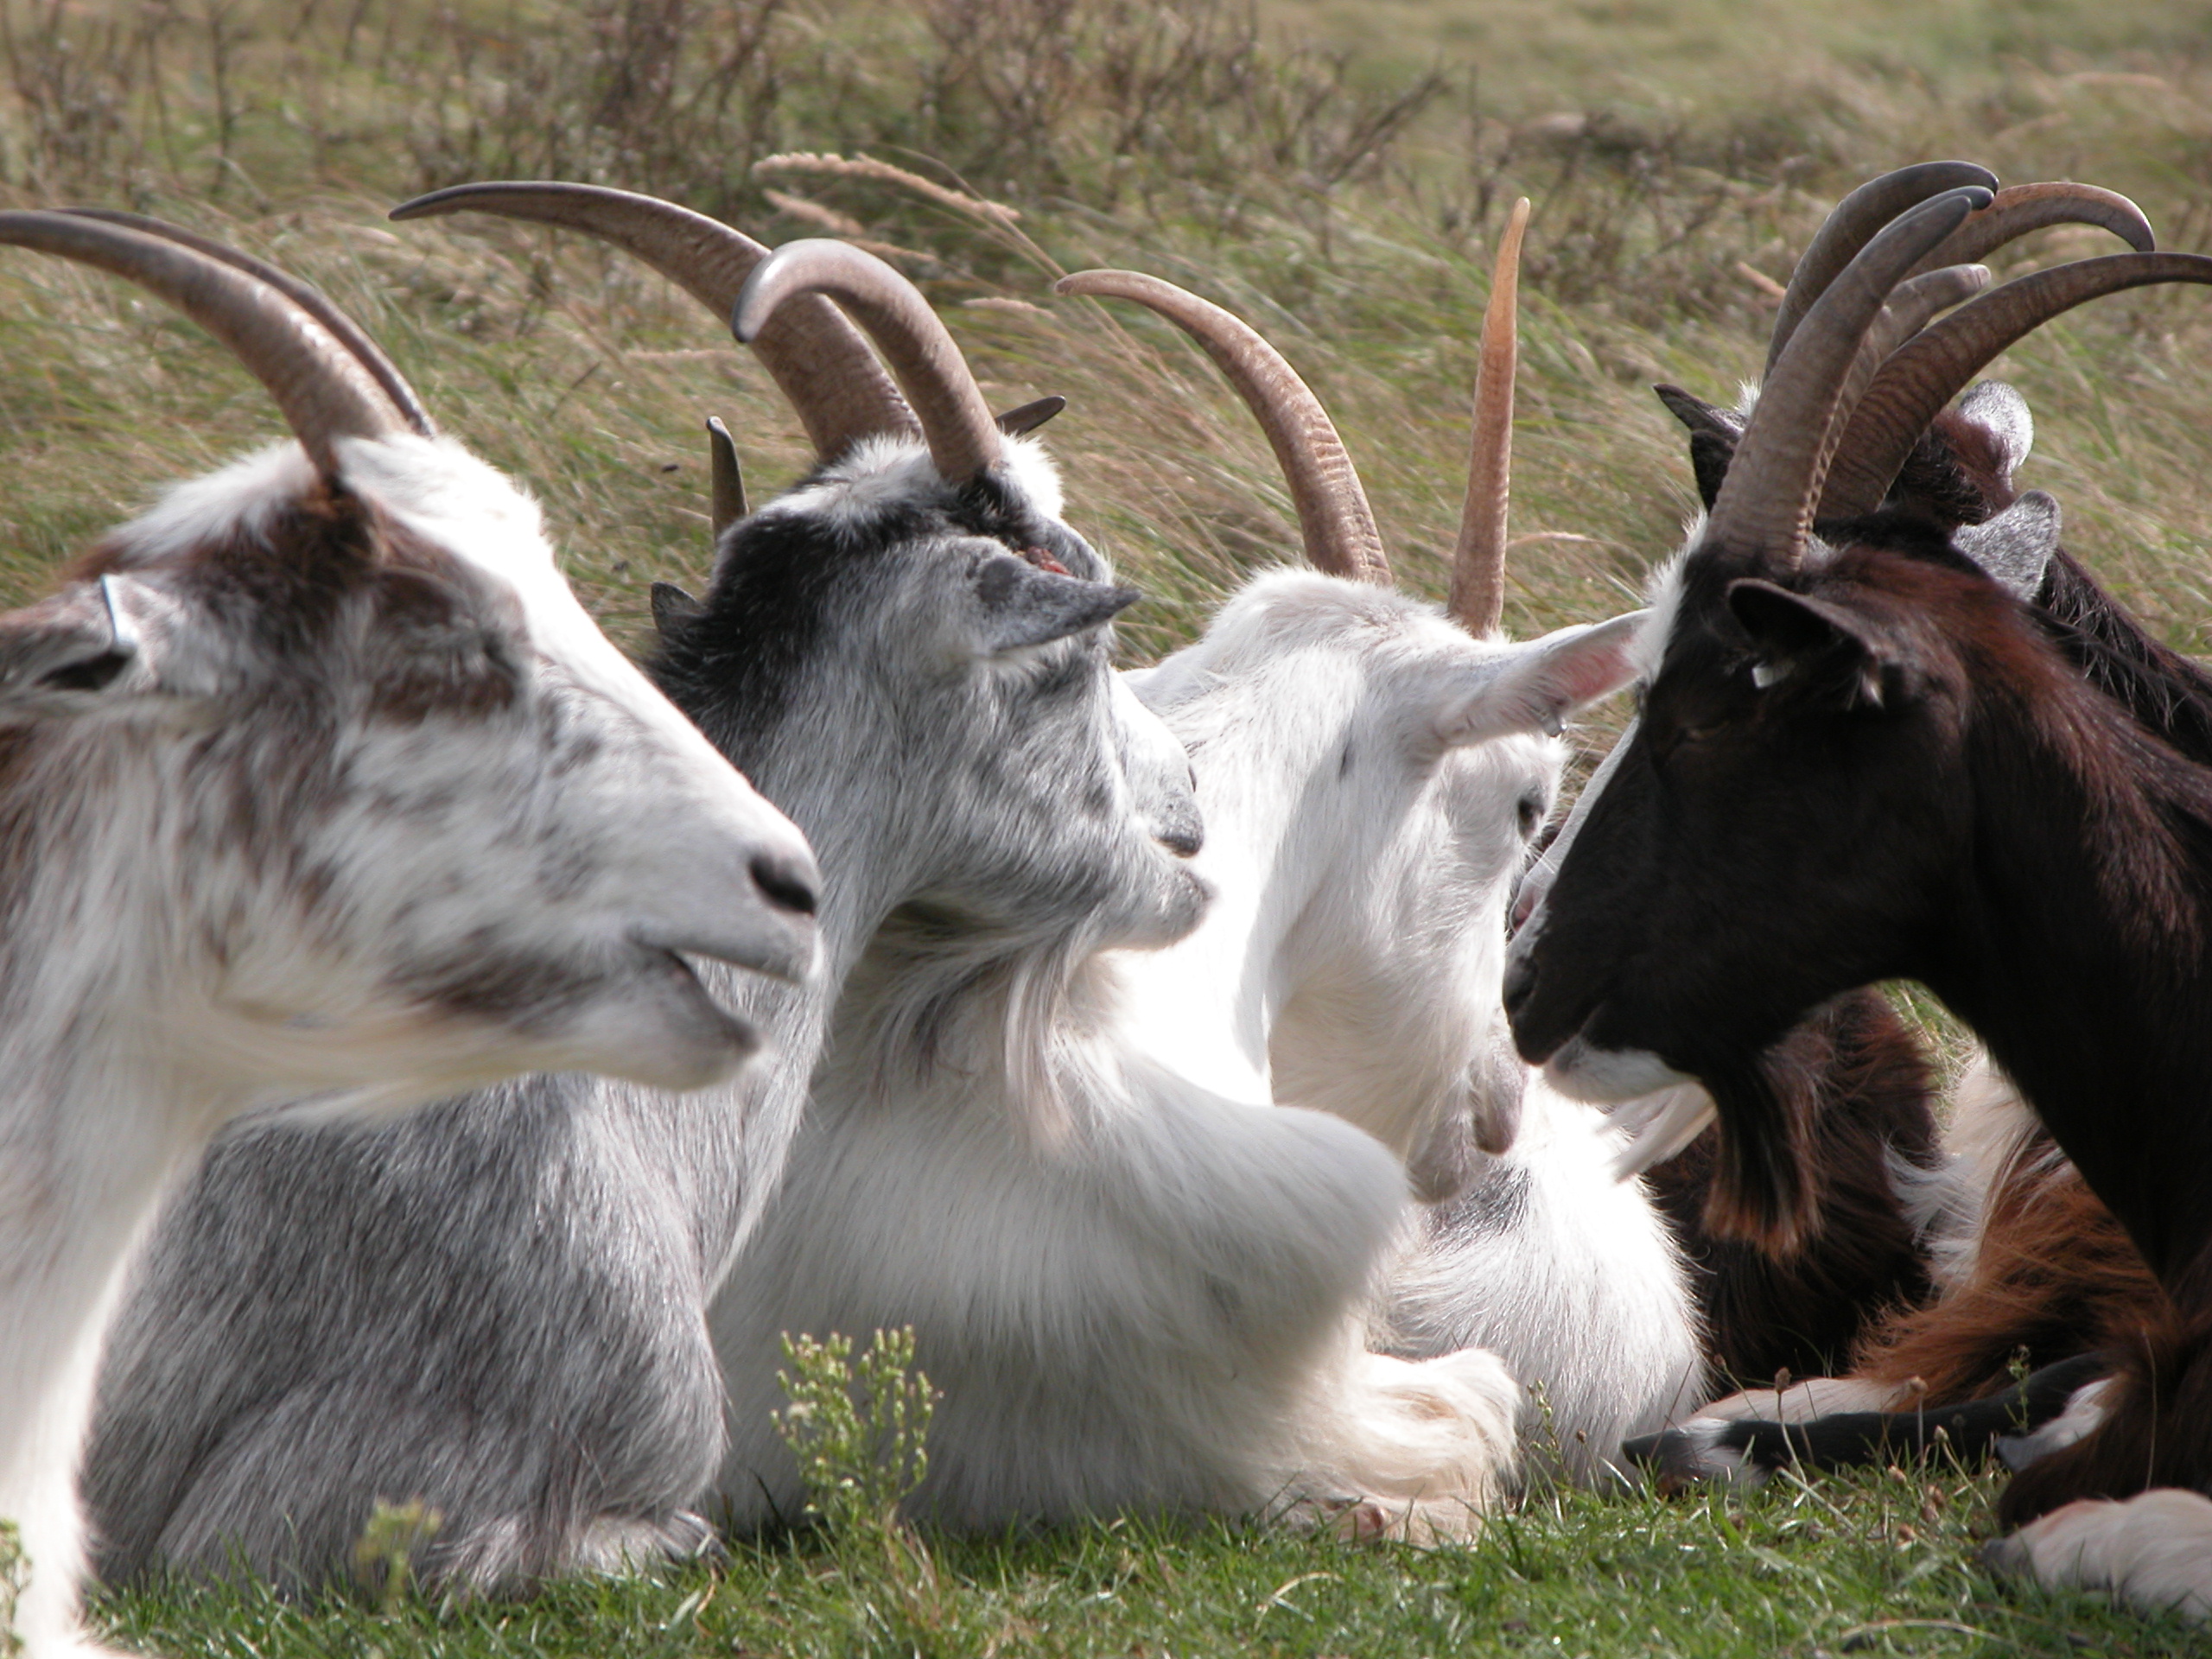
384,1554
14,1577
860,1431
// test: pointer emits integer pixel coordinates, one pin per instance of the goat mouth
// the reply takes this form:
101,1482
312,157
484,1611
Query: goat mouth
1543,1025
707,1012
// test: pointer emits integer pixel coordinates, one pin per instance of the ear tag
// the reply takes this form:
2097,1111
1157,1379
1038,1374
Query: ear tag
1766,674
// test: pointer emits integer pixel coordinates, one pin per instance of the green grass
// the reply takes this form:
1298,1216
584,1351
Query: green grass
1883,1563
1332,171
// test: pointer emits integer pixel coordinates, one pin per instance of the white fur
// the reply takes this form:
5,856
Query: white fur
2151,1552
1369,774
171,964
2084,1415
1134,1290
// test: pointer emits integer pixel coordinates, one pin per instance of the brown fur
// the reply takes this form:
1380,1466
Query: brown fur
2053,1275
1868,1091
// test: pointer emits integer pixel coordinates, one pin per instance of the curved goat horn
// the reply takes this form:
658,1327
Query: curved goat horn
309,298
1334,518
1478,600
1765,506
813,354
1854,222
1929,370
2020,209
963,439
323,390
1906,312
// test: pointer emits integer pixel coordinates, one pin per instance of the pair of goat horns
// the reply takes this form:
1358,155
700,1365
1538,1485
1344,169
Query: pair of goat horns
1853,376
328,377
774,304
1334,519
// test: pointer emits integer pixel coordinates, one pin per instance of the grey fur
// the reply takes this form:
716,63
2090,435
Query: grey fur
499,1308
2014,548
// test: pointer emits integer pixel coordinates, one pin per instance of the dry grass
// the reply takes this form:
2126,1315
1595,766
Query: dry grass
1343,207
1331,171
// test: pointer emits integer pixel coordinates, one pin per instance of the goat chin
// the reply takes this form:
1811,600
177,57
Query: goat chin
1610,1076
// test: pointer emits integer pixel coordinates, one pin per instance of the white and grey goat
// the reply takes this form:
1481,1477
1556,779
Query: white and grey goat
1372,774
316,786
499,1307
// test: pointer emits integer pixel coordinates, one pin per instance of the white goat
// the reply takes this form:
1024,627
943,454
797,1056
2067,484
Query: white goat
315,781
499,1307
1133,1292
1370,774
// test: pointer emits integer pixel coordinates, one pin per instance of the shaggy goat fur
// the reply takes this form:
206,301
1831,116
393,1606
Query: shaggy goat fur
1372,776
499,1308
314,796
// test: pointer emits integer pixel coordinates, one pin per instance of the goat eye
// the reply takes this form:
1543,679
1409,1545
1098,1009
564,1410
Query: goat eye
1531,812
1043,560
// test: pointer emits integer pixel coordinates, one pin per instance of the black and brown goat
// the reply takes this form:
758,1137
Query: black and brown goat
1856,1066
1863,757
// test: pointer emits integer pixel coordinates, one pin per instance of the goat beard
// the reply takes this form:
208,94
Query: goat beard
1769,1191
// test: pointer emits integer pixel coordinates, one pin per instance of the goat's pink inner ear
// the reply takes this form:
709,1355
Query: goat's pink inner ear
1548,680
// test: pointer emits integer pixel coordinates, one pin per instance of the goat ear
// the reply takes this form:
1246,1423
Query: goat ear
2001,415
1016,423
1796,636
1544,681
2015,548
1023,606
1713,432
671,605
96,641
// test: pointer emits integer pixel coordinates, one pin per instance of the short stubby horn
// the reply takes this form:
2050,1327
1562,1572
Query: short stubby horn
1333,518
964,441
1925,373
309,298
323,390
816,359
1854,222
1765,506
1478,600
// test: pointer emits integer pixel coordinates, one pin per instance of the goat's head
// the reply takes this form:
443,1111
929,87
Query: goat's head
1407,758
1795,808
332,725
913,621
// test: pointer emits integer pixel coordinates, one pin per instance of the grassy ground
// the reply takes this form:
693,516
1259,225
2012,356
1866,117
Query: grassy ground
1332,171
1879,1565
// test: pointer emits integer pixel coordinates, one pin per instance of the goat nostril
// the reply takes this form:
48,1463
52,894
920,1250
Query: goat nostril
1520,983
786,887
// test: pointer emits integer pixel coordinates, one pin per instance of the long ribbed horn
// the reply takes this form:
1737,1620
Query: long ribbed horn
1765,506
963,439
813,354
1853,223
1478,600
2019,210
1334,518
309,298
1916,300
324,392
1929,370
